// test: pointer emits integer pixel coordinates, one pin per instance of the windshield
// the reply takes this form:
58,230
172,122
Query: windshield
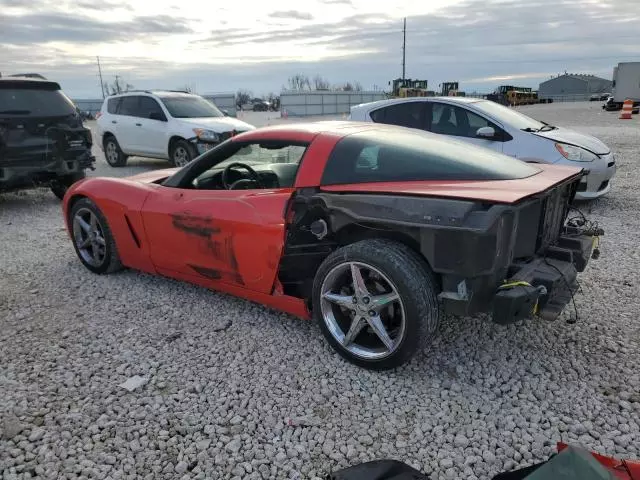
36,103
508,116
190,107
263,154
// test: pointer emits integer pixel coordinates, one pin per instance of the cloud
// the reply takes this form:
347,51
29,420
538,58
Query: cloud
39,28
480,43
292,15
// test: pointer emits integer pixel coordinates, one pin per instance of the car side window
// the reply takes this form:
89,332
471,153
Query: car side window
149,107
407,114
129,106
453,120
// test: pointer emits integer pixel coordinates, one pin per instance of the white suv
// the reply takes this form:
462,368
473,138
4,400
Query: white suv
175,126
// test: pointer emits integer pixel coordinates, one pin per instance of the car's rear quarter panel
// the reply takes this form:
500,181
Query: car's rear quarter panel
120,201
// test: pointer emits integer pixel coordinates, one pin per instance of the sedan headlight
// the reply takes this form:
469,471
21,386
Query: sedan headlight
575,154
206,135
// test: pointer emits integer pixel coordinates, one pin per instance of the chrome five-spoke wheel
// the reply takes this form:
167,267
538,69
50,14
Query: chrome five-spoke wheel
92,237
89,237
363,310
376,302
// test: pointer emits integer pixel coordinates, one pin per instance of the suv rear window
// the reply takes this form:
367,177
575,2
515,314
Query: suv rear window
402,156
34,102
113,104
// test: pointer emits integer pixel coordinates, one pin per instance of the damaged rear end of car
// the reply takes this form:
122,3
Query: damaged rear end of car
501,246
42,138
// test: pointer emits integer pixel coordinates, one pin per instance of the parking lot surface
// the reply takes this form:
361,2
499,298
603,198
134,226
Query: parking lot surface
234,390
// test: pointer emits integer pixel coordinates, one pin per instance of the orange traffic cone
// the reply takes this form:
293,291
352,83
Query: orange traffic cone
627,108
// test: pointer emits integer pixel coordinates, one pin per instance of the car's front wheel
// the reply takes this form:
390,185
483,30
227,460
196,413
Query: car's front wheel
376,303
182,152
60,185
92,238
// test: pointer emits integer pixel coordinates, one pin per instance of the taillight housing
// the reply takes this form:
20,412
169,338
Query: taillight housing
98,115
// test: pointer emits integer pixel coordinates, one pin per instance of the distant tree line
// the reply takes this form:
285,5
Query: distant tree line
302,82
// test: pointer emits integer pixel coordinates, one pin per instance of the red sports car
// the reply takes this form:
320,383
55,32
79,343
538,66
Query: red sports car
372,229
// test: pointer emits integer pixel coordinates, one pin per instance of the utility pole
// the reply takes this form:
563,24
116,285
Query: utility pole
100,73
404,46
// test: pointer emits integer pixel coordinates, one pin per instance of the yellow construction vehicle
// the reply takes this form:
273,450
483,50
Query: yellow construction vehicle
450,89
406,87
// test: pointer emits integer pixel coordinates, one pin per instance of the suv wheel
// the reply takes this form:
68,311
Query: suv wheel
112,152
182,152
60,185
376,303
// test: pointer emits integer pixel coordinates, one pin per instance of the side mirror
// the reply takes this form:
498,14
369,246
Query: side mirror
486,132
225,112
157,116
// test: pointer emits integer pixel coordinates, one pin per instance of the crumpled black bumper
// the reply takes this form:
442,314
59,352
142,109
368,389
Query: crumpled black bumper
544,285
20,173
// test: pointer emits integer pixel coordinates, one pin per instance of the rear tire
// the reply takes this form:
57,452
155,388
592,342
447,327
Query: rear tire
92,238
60,185
400,296
113,154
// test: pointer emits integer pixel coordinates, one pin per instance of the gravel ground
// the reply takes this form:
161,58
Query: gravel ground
234,390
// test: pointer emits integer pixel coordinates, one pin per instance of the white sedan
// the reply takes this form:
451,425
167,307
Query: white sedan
489,124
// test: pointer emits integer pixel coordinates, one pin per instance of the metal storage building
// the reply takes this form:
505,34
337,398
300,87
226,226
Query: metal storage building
576,85
300,104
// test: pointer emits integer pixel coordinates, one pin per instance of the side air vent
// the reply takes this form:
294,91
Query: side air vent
132,231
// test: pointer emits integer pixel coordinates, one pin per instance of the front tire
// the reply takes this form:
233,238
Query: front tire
92,238
182,152
60,185
376,303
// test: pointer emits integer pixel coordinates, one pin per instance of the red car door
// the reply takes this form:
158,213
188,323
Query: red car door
230,236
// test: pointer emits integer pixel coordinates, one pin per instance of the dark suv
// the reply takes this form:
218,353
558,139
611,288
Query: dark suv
42,138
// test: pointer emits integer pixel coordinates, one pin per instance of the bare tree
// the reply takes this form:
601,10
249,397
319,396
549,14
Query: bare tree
299,82
118,86
242,97
274,100
350,87
321,83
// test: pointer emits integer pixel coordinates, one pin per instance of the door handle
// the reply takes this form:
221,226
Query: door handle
113,121
138,124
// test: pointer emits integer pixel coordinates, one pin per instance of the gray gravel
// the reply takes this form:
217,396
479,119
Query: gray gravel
267,398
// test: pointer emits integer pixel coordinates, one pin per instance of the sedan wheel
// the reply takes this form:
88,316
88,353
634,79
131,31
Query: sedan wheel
376,302
89,237
92,238
363,310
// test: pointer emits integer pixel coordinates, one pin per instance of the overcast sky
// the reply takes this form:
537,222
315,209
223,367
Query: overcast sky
257,45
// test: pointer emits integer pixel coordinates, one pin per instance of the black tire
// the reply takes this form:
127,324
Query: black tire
182,147
60,185
414,282
111,262
117,158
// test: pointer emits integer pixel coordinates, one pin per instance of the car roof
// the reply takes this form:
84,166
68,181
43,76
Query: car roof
158,93
16,82
394,101
306,131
